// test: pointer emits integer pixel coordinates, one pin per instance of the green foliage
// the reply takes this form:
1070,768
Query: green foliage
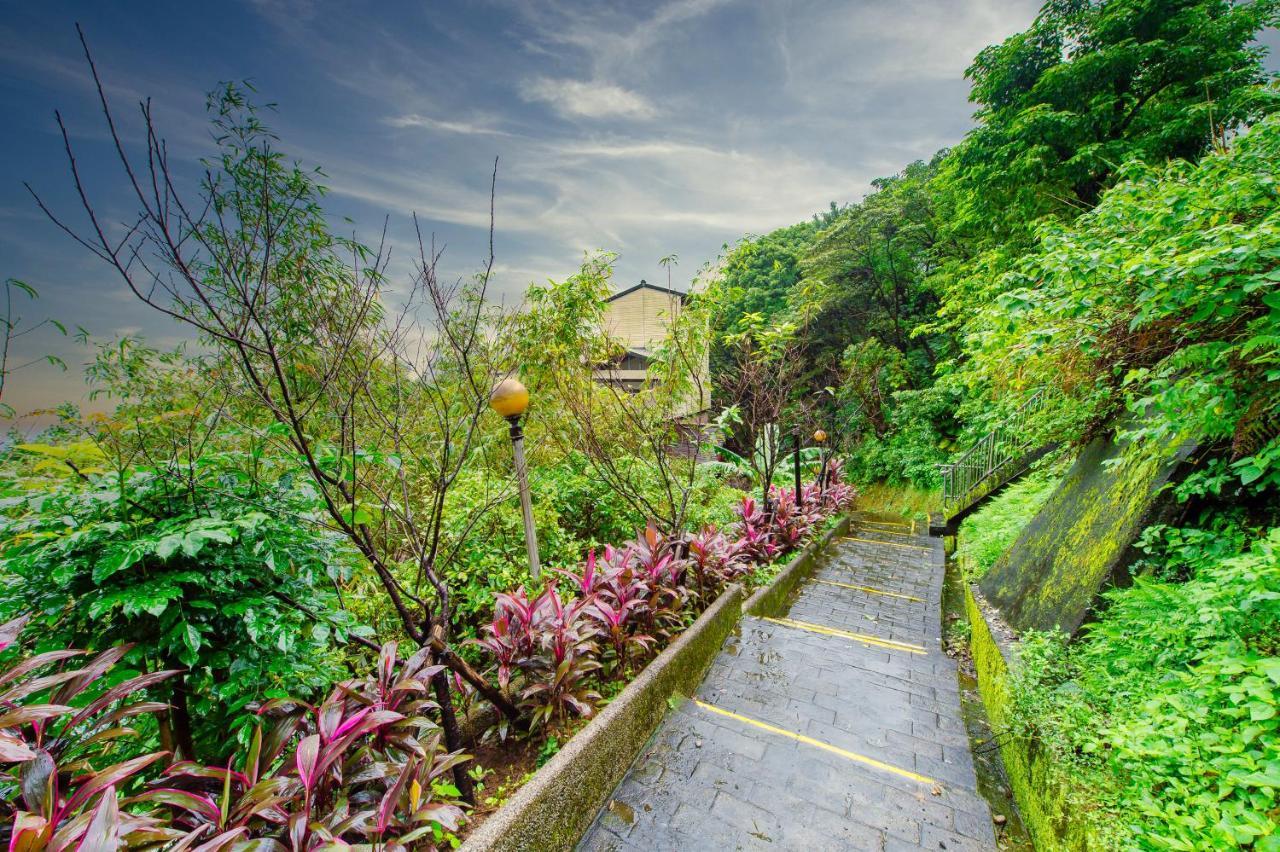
919,435
1094,92
1165,297
365,764
758,273
985,535
205,586
867,280
1171,702
1093,84
550,747
14,326
571,509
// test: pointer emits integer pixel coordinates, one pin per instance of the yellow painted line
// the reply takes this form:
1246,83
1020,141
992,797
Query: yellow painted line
845,753
876,641
888,543
871,591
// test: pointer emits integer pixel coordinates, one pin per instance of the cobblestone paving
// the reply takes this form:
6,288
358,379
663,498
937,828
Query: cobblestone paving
836,727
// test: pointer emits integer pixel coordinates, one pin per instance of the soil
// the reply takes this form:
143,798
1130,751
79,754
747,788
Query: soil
507,766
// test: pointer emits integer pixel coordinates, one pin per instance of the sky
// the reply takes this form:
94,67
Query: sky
641,128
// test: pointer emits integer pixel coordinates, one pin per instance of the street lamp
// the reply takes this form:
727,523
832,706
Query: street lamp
510,399
820,438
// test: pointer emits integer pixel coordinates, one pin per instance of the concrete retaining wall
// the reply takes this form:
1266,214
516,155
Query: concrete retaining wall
1052,808
1080,542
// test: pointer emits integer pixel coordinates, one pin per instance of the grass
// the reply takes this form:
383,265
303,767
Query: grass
905,500
989,532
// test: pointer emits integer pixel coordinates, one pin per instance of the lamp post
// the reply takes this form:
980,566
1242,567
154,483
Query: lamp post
510,399
820,438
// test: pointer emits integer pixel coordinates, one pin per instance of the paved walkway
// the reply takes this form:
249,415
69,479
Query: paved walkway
835,727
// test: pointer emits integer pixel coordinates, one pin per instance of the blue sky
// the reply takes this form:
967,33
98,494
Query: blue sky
637,127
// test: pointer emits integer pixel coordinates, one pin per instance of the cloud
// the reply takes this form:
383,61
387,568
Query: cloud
645,128
464,128
613,38
630,149
588,98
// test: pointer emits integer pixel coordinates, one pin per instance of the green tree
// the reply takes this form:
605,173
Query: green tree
866,275
1163,298
1096,83
758,273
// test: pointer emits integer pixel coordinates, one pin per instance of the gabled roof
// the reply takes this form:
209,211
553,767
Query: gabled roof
647,286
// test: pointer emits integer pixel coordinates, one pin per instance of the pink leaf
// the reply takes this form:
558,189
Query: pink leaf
103,833
109,777
14,750
308,754
30,833
10,629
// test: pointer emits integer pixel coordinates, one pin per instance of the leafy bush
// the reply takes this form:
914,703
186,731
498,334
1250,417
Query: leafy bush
714,498
1171,701
488,552
574,512
243,601
633,599
1162,299
61,726
714,562
590,513
920,435
365,765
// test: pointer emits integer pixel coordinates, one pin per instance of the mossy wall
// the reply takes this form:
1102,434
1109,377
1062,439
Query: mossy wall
1052,807
1081,540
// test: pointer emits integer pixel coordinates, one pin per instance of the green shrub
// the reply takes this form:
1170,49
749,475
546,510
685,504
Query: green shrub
1169,706
921,427
243,600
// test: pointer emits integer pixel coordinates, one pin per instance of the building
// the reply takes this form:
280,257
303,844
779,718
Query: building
638,318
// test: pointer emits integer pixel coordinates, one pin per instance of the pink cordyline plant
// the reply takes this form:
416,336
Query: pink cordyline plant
714,561
363,768
628,600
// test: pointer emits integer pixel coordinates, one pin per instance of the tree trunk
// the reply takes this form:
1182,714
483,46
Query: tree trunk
180,716
452,735
491,694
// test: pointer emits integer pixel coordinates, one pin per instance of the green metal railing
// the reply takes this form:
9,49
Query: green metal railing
996,455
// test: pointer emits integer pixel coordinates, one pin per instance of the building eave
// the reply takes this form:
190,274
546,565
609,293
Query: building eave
645,285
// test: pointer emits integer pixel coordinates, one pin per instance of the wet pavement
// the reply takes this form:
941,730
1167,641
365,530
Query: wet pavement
833,726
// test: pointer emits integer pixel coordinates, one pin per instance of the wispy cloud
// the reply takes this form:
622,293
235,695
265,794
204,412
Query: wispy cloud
465,128
613,38
588,98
